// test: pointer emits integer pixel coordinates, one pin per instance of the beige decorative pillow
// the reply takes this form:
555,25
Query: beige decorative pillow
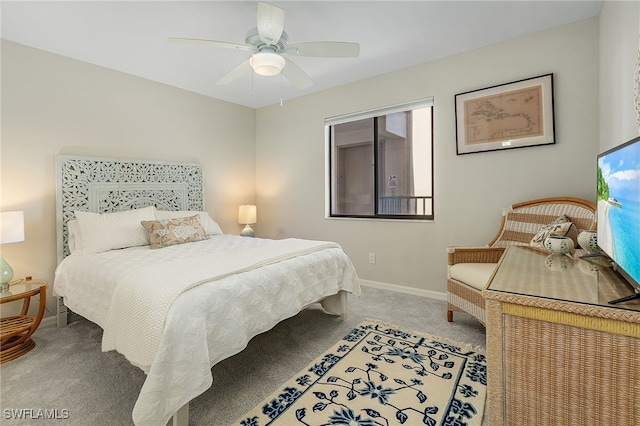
561,227
210,226
169,232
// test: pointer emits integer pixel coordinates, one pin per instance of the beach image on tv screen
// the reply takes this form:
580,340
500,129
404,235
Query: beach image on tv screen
619,207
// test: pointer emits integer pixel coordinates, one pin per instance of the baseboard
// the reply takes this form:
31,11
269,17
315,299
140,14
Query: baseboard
437,295
71,317
50,319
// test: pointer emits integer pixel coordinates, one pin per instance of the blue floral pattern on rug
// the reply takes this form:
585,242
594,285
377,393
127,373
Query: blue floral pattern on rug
379,375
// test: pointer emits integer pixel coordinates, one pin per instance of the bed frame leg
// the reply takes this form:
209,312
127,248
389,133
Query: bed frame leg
61,313
338,304
344,304
181,417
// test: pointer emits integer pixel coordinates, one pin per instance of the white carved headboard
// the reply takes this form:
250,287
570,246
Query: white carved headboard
106,185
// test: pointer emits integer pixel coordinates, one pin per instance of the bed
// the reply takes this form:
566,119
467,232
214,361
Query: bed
174,307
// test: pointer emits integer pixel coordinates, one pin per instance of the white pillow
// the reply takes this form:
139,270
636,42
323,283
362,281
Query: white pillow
74,235
210,226
109,231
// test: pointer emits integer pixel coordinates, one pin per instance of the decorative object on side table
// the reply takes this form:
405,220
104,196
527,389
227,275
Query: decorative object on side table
556,244
11,231
588,240
588,267
558,262
16,331
247,215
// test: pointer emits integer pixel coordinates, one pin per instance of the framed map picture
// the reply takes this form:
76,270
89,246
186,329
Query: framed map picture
512,115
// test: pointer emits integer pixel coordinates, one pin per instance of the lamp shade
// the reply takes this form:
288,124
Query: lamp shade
267,63
247,214
11,227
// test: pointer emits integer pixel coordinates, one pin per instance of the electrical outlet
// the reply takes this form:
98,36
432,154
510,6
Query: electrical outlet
372,258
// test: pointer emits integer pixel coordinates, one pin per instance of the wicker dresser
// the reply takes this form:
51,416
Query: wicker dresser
558,353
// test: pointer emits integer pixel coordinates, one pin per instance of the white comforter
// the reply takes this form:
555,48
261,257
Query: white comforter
138,297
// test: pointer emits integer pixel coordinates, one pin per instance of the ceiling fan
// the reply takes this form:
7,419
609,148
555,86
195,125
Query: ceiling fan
268,42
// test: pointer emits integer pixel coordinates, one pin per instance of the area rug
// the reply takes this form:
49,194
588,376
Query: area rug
379,374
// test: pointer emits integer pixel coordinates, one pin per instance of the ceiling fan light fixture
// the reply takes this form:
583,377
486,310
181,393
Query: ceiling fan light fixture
267,63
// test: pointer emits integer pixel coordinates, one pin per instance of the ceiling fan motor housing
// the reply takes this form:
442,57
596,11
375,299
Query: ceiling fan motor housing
253,39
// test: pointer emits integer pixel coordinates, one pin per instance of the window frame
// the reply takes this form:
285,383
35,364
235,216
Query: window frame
376,113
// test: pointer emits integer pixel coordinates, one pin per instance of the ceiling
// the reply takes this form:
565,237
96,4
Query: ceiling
131,36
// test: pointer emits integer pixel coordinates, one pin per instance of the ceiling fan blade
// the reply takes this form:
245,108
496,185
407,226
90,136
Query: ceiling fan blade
327,49
211,43
270,23
296,75
234,73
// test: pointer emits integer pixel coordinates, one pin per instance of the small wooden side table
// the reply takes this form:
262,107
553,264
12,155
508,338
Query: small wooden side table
16,331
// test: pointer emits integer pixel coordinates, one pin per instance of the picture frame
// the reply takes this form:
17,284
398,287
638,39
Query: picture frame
512,115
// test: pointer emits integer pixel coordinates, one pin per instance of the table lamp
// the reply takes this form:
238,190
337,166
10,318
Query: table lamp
11,231
246,216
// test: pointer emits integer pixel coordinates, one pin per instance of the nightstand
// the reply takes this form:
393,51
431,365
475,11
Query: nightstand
16,331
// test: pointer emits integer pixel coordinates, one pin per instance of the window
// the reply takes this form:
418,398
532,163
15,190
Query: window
381,163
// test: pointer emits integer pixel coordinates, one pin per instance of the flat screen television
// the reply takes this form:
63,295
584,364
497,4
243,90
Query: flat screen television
619,210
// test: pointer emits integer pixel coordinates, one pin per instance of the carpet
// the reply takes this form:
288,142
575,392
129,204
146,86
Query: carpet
379,374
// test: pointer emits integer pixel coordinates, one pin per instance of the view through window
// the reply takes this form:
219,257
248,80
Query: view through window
381,163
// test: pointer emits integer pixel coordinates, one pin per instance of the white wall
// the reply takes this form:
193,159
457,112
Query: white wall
619,28
55,105
470,190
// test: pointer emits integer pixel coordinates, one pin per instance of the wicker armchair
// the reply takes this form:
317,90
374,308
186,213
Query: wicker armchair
470,268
